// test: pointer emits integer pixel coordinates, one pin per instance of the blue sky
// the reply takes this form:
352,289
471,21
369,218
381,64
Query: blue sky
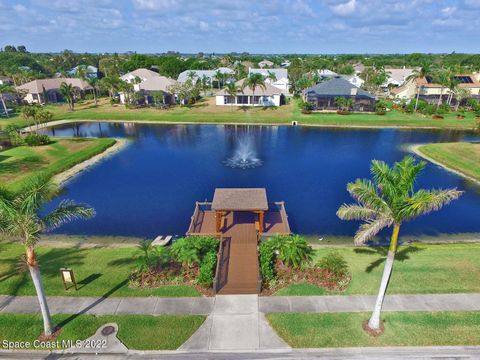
262,26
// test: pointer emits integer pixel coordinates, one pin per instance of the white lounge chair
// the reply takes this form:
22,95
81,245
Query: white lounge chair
160,241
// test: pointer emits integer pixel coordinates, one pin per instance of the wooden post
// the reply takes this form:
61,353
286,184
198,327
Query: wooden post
262,225
218,218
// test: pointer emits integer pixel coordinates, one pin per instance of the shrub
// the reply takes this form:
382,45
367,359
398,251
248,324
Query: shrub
191,250
381,107
428,109
36,140
334,263
151,257
207,269
267,259
294,250
13,133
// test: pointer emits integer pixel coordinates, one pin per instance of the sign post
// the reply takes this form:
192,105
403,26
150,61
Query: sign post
68,277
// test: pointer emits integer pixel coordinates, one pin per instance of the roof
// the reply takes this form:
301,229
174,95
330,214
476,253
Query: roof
399,75
326,73
473,84
265,63
269,90
142,73
337,86
248,199
200,73
279,72
38,86
90,69
157,83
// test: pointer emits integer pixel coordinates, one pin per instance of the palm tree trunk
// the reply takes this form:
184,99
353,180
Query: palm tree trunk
94,96
37,282
418,96
4,105
374,322
440,98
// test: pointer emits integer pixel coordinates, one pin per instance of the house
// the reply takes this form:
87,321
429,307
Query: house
196,75
4,80
430,91
280,80
354,80
265,63
397,77
326,73
358,68
268,96
285,64
48,90
139,75
322,96
152,85
90,71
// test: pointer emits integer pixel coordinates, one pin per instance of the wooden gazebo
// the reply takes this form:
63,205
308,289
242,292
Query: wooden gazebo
245,200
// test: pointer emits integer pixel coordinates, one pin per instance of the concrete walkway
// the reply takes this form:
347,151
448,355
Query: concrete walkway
207,306
235,324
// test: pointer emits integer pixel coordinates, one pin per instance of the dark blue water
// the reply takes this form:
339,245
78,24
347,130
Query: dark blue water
151,186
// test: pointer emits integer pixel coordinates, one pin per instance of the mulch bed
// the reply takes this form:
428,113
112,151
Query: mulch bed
173,274
371,332
311,275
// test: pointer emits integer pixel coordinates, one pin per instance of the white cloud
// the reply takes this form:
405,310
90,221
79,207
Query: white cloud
344,9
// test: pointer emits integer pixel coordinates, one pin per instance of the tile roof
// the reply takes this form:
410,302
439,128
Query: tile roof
337,86
157,83
279,72
247,199
200,73
269,90
37,86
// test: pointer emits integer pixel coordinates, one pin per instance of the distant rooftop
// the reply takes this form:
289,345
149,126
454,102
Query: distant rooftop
200,73
279,72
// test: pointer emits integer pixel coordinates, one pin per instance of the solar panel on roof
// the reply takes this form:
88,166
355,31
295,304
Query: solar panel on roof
429,79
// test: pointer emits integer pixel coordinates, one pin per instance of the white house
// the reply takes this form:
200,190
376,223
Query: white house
91,71
268,96
280,81
199,74
141,74
354,80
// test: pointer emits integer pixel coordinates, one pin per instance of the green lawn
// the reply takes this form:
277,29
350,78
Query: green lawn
98,271
207,111
140,332
464,157
418,268
19,163
401,329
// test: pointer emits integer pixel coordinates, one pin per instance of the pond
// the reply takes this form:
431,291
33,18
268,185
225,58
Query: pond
151,186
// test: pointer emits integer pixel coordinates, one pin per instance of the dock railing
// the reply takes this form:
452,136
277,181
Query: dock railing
192,229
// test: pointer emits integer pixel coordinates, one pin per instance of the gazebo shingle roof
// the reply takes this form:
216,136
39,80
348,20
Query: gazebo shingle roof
240,199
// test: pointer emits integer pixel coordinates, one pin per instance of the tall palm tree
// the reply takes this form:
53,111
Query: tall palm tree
111,84
442,77
220,78
424,71
390,200
5,89
460,95
271,76
93,82
68,92
22,217
253,81
452,86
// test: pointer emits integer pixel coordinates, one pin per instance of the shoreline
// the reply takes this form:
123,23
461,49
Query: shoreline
62,178
299,124
416,150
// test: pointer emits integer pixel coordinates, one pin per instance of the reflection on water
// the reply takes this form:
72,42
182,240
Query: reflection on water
150,188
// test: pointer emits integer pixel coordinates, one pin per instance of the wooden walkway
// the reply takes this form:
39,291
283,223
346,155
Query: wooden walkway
239,263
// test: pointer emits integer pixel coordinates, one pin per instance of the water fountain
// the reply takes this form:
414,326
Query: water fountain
245,156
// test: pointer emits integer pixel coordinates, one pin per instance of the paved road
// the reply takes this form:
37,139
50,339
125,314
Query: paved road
391,353
271,304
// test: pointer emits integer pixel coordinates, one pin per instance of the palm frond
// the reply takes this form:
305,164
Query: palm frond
408,169
365,192
425,201
37,191
66,212
369,229
356,212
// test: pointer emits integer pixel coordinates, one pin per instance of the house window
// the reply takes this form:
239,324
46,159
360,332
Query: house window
228,100
242,99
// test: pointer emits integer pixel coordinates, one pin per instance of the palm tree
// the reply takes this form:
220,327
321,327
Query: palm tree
253,81
5,89
460,95
442,77
220,77
271,76
111,84
389,200
204,83
93,82
22,217
68,93
232,89
423,72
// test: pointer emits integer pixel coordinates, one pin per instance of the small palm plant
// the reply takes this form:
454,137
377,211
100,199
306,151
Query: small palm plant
294,251
390,200
20,218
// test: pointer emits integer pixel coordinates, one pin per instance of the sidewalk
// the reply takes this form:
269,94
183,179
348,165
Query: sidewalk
271,304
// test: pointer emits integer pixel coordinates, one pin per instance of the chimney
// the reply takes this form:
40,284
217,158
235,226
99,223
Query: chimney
353,91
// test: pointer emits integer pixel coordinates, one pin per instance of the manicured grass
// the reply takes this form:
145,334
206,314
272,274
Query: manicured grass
140,332
401,329
418,269
19,163
464,157
206,111
300,290
98,271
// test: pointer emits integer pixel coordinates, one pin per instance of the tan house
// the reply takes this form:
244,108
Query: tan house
154,84
48,90
431,91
